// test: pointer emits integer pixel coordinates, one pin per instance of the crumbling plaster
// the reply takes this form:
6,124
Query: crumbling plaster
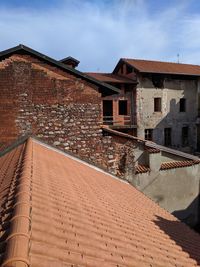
170,116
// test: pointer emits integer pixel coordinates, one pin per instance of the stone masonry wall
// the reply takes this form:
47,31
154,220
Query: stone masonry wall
61,109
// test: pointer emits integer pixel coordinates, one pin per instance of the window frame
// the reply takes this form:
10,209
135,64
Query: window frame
167,140
122,108
158,105
185,137
148,134
182,105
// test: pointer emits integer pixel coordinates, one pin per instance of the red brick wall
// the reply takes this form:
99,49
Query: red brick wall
60,108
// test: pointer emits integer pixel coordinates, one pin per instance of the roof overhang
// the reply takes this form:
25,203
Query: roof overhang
104,88
121,61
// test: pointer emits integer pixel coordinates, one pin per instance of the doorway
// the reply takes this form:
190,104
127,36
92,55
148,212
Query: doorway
108,112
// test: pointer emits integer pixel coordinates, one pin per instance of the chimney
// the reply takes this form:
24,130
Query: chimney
70,62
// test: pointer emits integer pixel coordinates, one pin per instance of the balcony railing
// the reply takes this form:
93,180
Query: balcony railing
117,121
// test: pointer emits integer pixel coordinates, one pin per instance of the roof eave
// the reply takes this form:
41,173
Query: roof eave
169,73
60,65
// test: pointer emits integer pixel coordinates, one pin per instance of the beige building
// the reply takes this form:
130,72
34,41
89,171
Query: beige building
163,102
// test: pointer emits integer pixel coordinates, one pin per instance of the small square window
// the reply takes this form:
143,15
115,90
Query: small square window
182,105
148,134
123,107
157,104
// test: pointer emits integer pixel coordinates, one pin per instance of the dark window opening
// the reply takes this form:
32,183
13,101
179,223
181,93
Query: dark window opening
157,104
182,105
108,111
168,138
148,134
185,136
123,107
198,105
129,69
158,81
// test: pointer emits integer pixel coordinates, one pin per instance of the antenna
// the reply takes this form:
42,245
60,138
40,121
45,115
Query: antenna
178,57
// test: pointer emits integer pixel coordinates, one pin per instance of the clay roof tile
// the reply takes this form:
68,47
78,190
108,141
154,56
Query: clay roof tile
150,66
79,215
178,164
111,78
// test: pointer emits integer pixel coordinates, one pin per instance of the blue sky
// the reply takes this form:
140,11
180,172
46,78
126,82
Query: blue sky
99,32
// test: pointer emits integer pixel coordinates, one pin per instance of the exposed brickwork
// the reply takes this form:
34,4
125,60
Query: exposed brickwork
60,108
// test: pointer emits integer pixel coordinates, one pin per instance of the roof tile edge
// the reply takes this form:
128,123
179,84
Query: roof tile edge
18,240
151,144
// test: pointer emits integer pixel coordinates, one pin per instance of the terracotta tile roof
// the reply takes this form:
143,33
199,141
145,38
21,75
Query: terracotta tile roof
150,144
178,164
152,150
140,168
58,211
163,67
109,77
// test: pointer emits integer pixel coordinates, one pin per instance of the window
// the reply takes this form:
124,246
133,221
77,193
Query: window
128,69
157,104
108,112
182,105
122,107
148,133
185,135
167,133
158,81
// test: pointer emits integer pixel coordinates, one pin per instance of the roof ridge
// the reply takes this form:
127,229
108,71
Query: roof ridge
160,61
19,237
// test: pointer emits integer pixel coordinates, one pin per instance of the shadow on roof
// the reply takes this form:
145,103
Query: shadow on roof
182,235
7,148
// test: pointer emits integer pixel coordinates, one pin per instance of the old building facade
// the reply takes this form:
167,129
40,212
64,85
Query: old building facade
73,111
42,97
164,101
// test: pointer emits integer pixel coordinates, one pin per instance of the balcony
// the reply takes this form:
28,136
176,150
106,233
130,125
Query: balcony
119,122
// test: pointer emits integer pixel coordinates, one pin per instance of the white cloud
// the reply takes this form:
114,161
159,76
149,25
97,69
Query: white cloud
99,34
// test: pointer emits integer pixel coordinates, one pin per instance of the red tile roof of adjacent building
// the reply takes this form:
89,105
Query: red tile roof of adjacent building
163,67
58,211
140,168
110,78
178,164
152,150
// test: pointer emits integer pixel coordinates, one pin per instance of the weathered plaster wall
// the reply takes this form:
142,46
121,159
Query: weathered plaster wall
169,116
176,190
